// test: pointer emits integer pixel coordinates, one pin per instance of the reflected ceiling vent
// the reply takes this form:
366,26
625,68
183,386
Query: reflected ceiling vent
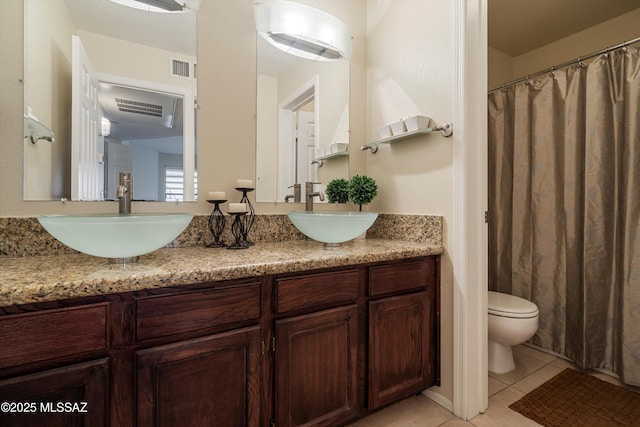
136,107
183,69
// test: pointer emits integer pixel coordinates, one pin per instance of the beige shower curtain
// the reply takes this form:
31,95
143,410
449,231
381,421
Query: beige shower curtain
564,207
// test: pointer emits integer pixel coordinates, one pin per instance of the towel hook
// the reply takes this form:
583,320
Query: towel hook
373,148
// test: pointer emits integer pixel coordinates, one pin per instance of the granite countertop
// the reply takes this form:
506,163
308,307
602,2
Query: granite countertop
47,278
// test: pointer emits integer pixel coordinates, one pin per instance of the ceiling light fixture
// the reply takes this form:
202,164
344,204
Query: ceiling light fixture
163,6
302,30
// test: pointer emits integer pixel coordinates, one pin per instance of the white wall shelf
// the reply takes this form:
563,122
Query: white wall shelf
446,130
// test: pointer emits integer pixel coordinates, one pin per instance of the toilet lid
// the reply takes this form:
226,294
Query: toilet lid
510,305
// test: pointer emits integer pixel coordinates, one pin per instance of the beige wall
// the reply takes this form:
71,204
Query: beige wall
609,33
598,37
122,58
11,107
500,68
410,69
267,144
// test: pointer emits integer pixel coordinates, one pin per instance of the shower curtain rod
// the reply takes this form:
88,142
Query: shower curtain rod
564,64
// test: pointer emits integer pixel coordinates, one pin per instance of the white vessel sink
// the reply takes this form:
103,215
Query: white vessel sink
116,235
332,227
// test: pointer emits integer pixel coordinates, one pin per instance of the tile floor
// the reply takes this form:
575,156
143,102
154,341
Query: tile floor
533,368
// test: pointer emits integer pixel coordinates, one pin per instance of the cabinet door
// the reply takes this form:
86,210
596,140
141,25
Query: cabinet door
316,375
209,381
400,353
67,397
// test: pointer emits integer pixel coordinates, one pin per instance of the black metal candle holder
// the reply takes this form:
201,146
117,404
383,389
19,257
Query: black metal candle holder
237,229
250,218
217,221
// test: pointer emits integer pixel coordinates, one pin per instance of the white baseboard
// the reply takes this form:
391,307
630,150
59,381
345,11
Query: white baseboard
439,399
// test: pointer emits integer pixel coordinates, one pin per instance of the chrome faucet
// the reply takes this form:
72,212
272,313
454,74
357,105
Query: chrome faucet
296,194
125,192
310,194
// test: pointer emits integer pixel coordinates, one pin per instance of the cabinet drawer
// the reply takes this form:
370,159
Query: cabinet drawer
316,290
173,314
400,277
45,335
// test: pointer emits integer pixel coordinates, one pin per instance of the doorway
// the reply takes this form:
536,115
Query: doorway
297,141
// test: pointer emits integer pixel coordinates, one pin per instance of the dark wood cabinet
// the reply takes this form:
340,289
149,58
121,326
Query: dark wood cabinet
400,359
316,368
312,348
74,395
404,323
209,381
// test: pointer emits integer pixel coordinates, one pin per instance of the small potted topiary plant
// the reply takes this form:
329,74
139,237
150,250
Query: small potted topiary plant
337,190
362,189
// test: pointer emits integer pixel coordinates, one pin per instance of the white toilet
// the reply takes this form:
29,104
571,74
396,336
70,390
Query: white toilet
512,321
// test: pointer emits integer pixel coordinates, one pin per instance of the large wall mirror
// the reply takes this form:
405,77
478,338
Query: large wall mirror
116,87
302,100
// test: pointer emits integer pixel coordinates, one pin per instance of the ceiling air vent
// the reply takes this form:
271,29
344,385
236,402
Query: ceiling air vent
136,107
180,68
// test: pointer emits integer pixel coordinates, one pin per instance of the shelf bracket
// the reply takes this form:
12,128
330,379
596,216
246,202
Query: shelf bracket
317,162
35,131
372,147
446,129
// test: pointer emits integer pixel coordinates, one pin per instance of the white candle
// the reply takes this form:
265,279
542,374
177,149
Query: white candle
217,195
237,207
244,183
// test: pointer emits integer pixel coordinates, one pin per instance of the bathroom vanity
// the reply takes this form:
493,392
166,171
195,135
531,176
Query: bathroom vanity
321,338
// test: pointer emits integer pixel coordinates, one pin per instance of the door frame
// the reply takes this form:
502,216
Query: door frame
468,249
287,131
